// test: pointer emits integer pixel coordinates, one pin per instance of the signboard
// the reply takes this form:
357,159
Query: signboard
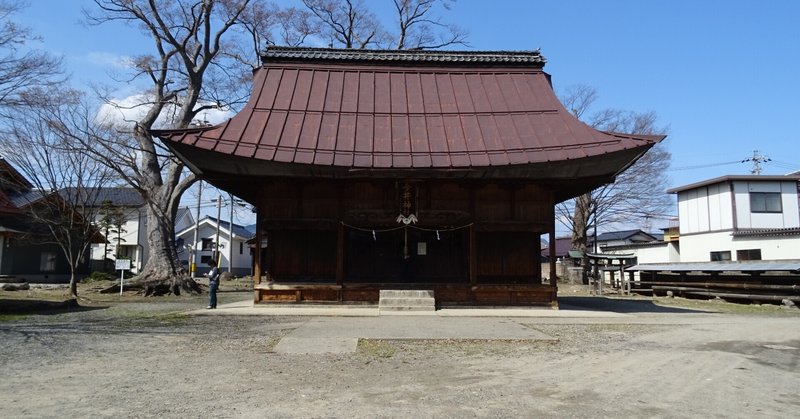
122,265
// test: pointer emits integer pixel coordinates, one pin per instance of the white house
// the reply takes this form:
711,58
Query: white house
123,223
739,218
124,228
747,224
235,254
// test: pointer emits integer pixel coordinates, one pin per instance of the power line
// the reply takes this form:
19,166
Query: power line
703,166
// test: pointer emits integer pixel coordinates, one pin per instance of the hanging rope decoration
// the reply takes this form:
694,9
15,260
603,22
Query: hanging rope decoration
405,228
386,230
407,219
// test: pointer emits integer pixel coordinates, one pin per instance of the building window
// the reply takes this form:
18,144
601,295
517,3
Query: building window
48,262
765,202
241,248
748,254
205,259
720,256
208,244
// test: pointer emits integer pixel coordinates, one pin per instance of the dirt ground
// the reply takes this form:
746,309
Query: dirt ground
144,357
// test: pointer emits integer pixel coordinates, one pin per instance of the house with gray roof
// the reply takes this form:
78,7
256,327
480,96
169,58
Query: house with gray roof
234,256
123,224
27,249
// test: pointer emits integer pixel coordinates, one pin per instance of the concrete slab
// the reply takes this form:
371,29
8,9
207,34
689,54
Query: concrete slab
322,335
337,329
316,345
247,308
422,328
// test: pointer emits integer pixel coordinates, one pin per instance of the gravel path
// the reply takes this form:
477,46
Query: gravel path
147,359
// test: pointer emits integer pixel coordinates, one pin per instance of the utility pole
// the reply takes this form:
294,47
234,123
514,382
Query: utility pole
757,159
230,236
216,240
195,252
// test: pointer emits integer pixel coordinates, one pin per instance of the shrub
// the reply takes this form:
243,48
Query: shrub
98,276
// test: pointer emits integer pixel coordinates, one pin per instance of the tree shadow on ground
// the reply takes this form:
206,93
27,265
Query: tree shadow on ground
23,306
617,305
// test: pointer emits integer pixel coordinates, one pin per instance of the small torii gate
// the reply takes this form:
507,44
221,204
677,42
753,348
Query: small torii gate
608,265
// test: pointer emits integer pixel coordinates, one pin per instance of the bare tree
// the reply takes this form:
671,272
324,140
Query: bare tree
294,26
419,27
350,24
264,24
638,194
187,74
63,202
347,23
200,62
21,67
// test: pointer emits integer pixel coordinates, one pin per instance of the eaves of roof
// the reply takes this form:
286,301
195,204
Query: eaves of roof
732,178
767,232
656,243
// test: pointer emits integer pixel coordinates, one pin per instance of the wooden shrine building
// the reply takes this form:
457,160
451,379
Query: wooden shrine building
379,170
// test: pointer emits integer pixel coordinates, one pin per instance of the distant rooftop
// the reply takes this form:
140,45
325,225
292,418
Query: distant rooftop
238,230
731,178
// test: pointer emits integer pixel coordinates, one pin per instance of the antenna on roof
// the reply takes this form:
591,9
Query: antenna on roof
757,159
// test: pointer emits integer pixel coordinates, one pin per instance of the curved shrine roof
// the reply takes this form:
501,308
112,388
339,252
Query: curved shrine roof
362,109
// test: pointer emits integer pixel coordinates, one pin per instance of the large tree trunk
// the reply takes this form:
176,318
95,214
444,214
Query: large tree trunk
580,224
163,273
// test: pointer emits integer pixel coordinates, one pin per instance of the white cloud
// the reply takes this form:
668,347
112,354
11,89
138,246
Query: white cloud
128,110
108,59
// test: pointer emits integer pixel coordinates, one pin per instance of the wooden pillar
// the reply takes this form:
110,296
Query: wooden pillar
473,256
257,251
552,255
473,245
612,280
537,277
340,255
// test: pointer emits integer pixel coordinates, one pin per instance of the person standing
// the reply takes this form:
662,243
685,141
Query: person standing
213,284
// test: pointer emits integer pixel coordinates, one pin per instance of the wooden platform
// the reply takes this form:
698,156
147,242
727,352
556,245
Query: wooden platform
445,294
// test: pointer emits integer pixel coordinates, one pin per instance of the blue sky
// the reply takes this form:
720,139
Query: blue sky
722,75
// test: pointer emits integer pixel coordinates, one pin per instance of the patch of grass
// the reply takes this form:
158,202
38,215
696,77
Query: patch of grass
97,276
5,318
377,348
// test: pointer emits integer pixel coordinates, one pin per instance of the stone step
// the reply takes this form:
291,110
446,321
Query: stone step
406,293
403,301
384,309
406,301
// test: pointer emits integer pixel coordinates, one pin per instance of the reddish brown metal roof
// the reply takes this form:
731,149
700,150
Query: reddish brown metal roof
404,109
